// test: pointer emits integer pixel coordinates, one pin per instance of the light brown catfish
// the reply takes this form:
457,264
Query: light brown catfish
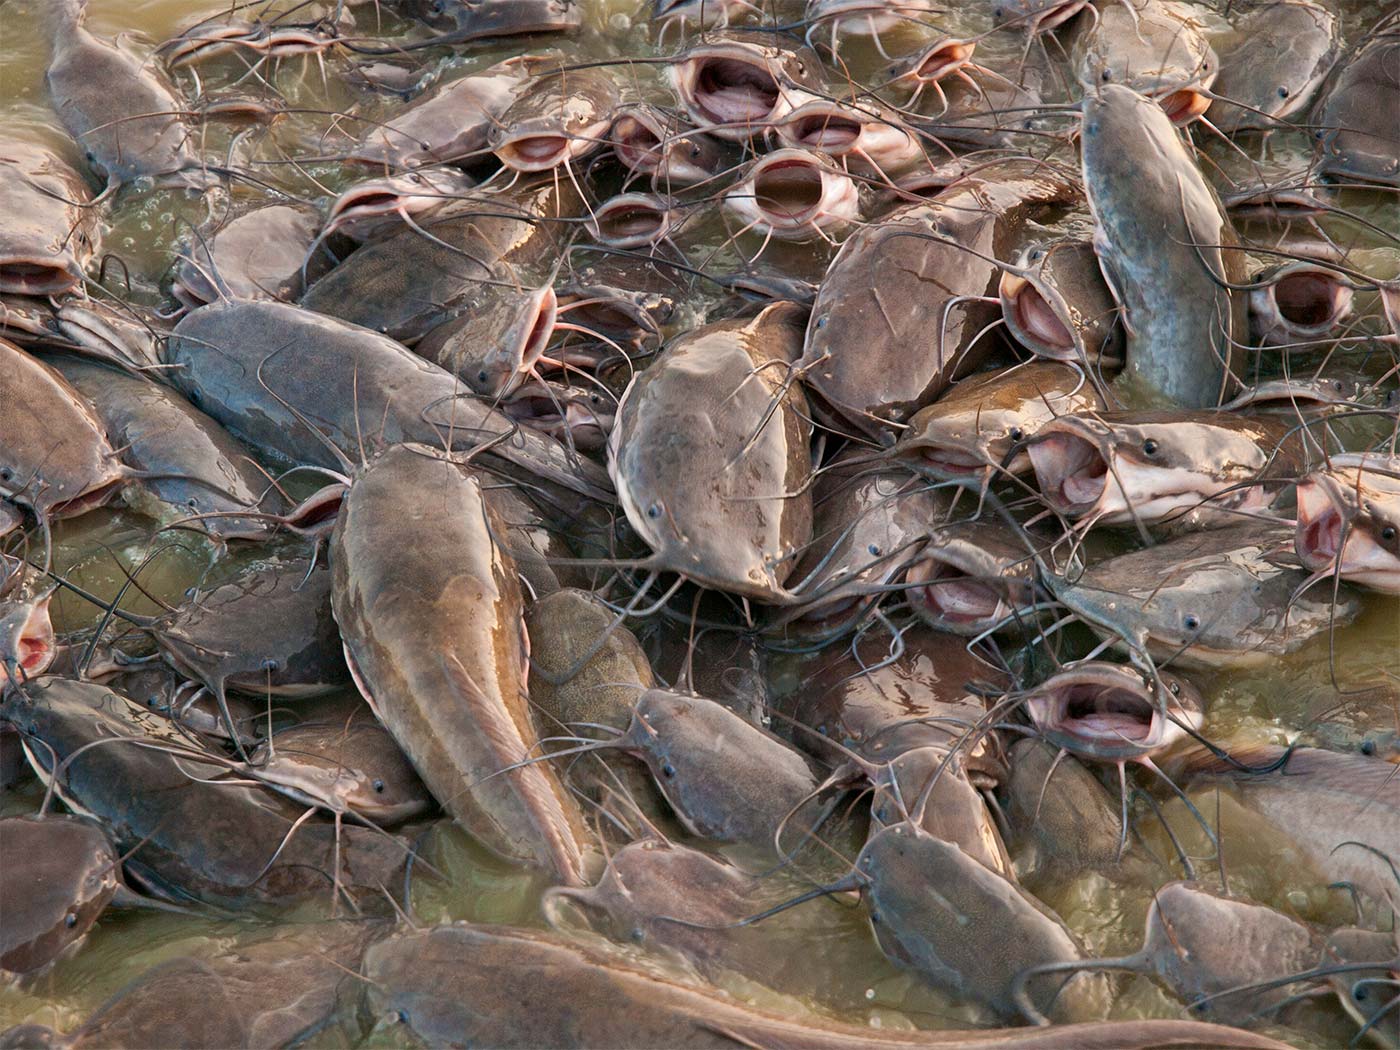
496,986
59,874
407,284
972,576
433,623
49,235
124,115
710,455
159,432
1341,810
972,428
448,124
1284,50
560,116
1166,246
903,310
55,458
261,368
1349,520
737,84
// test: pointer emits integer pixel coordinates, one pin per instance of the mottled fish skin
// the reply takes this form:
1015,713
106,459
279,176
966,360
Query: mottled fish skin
255,255
886,337
1355,118
49,235
124,115
714,484
435,635
241,360
1158,229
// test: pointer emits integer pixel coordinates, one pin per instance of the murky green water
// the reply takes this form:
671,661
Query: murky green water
1310,696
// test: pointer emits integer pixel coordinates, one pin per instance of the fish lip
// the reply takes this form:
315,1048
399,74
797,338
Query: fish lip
534,151
946,462
1314,299
821,125
729,87
829,196
868,17
1071,470
617,221
1034,320
1328,539
1102,711
1053,17
960,600
1184,105
943,58
25,274
32,640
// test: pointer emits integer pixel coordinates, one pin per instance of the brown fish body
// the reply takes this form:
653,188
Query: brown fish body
59,873
886,335
55,458
714,483
125,116
404,285
356,386
1059,305
255,255
48,236
160,432
1357,141
435,635
500,987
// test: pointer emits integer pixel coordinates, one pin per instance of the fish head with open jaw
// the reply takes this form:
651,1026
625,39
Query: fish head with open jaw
1349,520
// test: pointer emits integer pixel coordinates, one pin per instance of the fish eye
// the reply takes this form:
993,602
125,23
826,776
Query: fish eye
401,1016
1175,687
1368,747
654,511
378,786
1388,533
1036,254
70,920
1106,75
1016,434
821,321
1150,447
6,473
874,549
668,770
1191,623
270,664
1360,992
1282,91
481,376
190,592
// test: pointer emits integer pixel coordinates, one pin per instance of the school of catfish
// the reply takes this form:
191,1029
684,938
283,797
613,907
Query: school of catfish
604,523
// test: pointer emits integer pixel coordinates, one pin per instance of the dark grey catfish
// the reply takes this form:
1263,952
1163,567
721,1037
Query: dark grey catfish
1355,118
1159,232
246,362
48,236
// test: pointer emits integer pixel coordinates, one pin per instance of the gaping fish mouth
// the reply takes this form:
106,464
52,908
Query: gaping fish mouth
1184,106
946,596
637,143
820,126
1327,541
363,204
944,58
1033,320
24,275
559,414
1098,713
538,152
30,644
1304,301
1055,16
89,500
789,193
733,90
1072,471
631,220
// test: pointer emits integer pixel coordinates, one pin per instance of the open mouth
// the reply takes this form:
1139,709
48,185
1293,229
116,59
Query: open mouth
943,59
733,91
1320,538
1071,472
1184,106
1033,319
636,144
948,597
90,500
1100,712
1055,16
822,128
30,277
534,152
1310,301
788,193
33,647
948,463
631,221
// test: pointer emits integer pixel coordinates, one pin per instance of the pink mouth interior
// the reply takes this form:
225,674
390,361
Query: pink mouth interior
34,647
629,222
22,277
1071,472
1037,319
944,59
826,131
1095,711
1320,540
789,192
731,91
535,152
1182,107
636,145
957,598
